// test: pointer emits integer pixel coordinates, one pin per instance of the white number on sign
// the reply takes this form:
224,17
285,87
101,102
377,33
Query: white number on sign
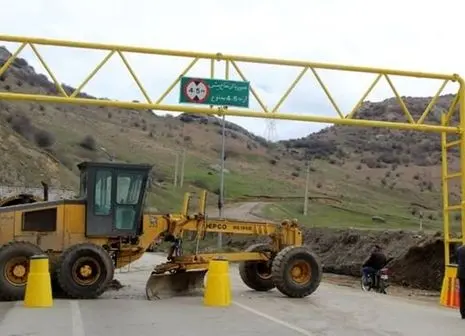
196,91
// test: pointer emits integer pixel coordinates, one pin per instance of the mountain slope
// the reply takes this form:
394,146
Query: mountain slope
388,159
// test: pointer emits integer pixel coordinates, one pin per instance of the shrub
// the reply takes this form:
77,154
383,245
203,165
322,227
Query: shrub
22,125
88,143
44,139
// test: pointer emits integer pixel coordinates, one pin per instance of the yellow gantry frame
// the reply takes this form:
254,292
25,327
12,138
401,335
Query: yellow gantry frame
444,127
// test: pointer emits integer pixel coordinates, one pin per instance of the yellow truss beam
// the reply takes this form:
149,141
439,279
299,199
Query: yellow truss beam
231,61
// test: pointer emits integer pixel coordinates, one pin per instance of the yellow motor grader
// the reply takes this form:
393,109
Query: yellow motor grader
105,228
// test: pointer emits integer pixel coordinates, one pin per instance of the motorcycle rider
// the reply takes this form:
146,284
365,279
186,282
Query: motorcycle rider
376,261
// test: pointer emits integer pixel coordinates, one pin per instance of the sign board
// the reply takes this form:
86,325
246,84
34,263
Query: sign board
207,91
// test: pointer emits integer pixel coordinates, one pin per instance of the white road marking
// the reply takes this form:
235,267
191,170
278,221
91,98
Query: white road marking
274,319
78,326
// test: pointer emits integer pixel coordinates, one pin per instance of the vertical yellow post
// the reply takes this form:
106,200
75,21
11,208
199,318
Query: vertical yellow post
449,290
445,192
226,70
462,158
203,202
185,204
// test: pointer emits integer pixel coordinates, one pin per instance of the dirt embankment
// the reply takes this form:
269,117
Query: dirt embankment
418,258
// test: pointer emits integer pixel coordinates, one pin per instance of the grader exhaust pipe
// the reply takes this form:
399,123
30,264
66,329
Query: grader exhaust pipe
45,187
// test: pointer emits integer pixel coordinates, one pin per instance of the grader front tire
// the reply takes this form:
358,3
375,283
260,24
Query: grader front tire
84,271
257,274
296,271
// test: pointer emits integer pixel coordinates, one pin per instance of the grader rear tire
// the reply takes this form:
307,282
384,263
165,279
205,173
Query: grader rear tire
257,274
84,271
14,268
296,271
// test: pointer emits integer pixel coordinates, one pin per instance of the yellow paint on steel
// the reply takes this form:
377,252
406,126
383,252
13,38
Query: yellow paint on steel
49,71
399,100
365,95
462,158
15,271
252,90
445,192
432,102
177,80
12,58
92,74
300,272
452,107
229,112
134,76
289,90
230,60
325,89
221,57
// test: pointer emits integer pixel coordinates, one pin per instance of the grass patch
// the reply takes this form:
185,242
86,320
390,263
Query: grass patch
326,215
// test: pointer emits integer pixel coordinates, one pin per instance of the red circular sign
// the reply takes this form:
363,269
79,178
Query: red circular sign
196,91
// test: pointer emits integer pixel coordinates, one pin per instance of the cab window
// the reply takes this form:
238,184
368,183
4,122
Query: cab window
102,192
128,190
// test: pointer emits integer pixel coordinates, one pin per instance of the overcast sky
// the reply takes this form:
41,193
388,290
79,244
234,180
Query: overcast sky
409,35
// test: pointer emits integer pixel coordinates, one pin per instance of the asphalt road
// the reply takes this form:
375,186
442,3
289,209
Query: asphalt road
332,310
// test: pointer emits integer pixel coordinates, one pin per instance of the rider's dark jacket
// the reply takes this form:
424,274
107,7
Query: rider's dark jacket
461,262
377,260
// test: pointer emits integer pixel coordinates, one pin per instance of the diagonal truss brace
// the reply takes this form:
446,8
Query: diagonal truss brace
231,60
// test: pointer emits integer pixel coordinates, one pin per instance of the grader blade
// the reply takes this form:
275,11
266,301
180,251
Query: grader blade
160,286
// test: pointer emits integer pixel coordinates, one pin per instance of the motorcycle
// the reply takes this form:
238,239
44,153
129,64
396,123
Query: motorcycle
378,282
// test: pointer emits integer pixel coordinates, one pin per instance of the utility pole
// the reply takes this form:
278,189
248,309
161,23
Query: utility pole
221,196
421,220
183,162
176,163
307,178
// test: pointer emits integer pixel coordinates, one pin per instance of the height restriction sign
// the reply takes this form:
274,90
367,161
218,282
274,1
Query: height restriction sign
214,92
196,90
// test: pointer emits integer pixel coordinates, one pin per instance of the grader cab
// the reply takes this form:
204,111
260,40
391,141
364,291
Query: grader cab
106,228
